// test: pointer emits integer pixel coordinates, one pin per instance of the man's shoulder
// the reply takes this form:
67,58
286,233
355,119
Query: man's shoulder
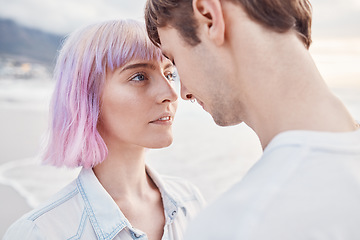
217,221
293,192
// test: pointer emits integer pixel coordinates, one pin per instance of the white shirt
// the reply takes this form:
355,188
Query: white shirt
305,186
84,210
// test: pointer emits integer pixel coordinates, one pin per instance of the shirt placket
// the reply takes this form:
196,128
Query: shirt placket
138,235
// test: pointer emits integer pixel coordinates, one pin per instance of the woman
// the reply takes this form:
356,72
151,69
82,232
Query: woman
113,99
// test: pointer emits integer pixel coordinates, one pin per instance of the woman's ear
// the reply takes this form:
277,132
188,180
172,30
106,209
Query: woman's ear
210,20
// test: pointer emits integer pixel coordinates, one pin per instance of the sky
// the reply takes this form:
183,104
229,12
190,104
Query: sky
63,16
331,18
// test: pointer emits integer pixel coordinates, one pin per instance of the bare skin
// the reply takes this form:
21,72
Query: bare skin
138,104
244,72
133,191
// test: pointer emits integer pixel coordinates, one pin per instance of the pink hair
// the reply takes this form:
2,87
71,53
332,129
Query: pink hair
80,71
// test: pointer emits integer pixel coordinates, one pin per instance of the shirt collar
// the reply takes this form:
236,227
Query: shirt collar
171,201
316,139
104,214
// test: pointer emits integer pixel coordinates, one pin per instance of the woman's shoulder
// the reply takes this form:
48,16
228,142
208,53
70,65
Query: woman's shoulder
182,190
179,184
23,229
36,223
57,201
172,184
186,195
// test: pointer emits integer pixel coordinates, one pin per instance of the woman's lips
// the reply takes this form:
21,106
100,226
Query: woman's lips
165,120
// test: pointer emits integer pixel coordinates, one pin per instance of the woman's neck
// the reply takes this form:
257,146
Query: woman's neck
124,177
123,173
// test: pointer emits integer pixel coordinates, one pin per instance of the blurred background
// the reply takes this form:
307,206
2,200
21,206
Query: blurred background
212,157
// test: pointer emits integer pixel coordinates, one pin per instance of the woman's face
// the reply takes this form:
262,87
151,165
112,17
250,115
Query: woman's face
138,104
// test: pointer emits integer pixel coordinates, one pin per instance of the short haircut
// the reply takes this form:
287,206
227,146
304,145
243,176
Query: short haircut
279,15
86,56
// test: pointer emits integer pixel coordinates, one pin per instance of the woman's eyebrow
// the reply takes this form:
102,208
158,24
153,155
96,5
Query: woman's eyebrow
139,65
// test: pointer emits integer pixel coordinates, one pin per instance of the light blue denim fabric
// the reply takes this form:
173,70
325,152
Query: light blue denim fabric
84,210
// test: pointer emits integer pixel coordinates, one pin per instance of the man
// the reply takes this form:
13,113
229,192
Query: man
248,61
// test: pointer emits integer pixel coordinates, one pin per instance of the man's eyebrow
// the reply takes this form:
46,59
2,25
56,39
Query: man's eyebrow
169,65
138,65
164,54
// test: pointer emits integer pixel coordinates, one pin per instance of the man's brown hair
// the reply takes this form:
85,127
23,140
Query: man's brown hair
279,15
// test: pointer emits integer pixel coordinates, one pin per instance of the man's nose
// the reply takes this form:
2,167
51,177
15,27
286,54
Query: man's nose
184,92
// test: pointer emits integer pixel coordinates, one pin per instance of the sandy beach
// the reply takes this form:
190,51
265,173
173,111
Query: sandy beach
12,207
21,131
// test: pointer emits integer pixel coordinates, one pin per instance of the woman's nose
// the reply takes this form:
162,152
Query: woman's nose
168,93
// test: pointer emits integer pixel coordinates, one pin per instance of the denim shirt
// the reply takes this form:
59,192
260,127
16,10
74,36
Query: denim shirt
84,210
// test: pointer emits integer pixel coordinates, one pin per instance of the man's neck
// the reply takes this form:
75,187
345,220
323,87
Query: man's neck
288,93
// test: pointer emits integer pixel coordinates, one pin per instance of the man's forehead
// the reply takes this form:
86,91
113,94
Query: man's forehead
169,40
167,34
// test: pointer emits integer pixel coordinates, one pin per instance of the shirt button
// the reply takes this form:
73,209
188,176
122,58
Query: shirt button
137,235
173,213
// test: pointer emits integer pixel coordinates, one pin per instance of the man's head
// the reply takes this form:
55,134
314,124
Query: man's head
278,15
218,45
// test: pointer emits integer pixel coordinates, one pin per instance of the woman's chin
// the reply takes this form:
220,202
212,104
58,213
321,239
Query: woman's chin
161,144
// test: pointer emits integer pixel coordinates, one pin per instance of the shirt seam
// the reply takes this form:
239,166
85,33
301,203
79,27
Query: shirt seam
53,205
92,217
91,214
81,228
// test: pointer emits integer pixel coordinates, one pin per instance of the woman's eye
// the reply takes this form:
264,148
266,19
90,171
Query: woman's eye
139,77
170,76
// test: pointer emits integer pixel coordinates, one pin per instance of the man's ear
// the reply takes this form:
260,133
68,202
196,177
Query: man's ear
210,19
